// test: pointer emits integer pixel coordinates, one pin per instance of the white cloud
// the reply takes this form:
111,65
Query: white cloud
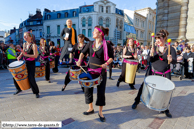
9,24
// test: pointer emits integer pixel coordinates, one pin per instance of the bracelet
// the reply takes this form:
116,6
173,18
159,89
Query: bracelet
107,63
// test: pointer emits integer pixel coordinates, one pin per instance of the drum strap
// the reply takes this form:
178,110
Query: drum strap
161,73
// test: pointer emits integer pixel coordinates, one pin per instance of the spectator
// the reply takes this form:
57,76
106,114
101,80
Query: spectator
58,53
33,37
11,53
186,57
182,45
177,46
142,48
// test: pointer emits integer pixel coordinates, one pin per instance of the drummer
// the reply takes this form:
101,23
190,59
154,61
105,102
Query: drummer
53,52
77,48
129,52
30,53
159,62
44,53
101,53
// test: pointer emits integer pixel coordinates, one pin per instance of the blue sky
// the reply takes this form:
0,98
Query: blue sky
13,11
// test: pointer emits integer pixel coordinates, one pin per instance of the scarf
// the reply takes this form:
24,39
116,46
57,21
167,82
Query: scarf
73,35
104,46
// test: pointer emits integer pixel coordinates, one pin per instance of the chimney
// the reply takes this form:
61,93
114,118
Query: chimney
30,15
38,11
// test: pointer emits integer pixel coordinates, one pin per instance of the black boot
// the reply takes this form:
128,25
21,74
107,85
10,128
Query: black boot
63,88
118,82
134,106
18,91
132,86
167,112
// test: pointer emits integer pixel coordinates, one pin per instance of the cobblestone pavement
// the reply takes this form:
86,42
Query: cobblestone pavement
68,106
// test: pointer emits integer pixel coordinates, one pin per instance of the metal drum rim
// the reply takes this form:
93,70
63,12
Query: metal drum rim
157,88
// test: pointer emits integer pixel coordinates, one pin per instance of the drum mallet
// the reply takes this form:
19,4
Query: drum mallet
152,42
169,41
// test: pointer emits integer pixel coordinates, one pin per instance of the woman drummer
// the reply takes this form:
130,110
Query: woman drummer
158,57
77,48
30,53
53,52
44,53
100,53
129,52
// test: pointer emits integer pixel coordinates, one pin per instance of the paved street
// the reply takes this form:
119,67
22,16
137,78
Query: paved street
68,106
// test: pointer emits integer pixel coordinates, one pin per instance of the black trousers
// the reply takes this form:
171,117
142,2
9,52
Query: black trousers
100,92
47,70
110,70
122,76
67,80
31,76
55,69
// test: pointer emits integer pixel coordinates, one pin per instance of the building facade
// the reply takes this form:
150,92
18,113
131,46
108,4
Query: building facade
33,22
143,22
176,16
150,22
2,34
84,19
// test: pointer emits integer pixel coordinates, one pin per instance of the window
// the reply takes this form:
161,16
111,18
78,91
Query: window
107,22
89,32
74,26
100,22
117,23
142,24
107,9
58,29
121,24
66,14
74,13
84,32
137,33
48,17
149,25
137,22
40,32
48,29
141,35
149,36
31,23
89,21
101,9
58,15
83,22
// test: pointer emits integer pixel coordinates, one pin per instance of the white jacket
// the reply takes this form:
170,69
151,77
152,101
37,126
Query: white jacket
145,54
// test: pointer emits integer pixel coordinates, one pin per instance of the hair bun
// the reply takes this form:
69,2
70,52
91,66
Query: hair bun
165,32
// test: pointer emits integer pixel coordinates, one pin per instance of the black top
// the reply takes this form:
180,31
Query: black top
99,54
52,50
130,52
46,49
186,57
77,51
67,30
159,61
28,50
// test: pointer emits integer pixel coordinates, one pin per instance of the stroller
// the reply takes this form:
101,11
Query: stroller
178,70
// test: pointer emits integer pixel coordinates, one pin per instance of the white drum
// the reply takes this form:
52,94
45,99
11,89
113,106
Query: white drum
157,92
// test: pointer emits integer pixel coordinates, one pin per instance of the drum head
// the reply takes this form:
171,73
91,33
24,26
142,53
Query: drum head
131,60
159,83
15,64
